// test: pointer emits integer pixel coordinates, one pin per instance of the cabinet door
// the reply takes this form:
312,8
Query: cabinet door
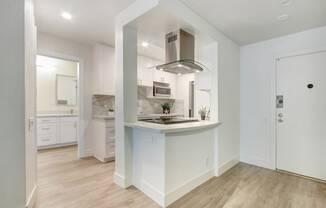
108,70
68,130
104,70
144,71
45,140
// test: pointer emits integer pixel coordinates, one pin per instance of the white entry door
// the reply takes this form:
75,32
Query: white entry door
301,115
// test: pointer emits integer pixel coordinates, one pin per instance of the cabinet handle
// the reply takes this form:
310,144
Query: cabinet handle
45,128
45,140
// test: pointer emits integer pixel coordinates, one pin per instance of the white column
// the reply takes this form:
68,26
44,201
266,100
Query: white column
125,100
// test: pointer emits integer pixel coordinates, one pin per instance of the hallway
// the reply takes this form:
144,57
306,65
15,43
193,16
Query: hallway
65,182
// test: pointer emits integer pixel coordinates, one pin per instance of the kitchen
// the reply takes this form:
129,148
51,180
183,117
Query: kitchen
166,93
166,156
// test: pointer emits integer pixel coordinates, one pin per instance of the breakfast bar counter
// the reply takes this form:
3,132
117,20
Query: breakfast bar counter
170,160
173,128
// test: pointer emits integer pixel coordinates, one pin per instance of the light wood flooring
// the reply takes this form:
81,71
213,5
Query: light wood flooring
65,182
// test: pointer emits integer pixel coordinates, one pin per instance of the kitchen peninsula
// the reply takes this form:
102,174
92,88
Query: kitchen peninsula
171,160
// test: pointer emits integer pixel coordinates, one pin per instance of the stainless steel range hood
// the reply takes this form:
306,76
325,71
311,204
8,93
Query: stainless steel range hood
180,54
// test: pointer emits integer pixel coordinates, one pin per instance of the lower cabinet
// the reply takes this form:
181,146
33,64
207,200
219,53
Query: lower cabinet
103,135
56,131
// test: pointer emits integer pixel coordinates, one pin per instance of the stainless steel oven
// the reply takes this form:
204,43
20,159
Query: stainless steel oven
161,89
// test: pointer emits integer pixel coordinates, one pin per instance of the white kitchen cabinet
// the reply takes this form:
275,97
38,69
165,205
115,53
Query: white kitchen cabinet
203,81
56,131
103,134
104,70
144,71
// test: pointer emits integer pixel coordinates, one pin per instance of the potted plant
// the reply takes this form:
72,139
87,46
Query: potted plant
166,107
202,112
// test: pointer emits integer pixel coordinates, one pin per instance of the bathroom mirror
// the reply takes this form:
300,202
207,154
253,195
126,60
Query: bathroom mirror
66,87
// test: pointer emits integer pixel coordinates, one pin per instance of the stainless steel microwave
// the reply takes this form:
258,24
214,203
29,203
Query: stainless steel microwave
161,89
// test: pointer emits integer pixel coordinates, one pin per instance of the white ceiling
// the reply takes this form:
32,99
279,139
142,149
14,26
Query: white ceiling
245,21
92,20
250,21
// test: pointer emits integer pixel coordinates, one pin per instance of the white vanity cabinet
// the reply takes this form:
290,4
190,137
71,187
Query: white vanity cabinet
103,135
56,131
67,130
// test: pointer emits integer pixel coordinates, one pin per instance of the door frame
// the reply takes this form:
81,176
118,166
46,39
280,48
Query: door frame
80,87
277,57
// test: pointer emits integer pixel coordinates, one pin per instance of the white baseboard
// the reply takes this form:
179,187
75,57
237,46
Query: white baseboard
152,193
57,146
257,162
187,187
87,153
120,180
165,200
228,165
31,201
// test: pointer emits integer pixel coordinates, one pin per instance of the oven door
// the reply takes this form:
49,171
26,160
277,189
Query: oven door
162,91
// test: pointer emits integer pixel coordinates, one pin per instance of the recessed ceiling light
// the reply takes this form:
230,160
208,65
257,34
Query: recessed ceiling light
66,15
180,65
161,69
179,74
283,17
197,71
145,44
286,2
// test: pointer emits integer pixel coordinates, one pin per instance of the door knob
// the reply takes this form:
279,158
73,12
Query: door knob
280,120
280,115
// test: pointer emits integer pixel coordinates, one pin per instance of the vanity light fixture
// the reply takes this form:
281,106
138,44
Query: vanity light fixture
66,15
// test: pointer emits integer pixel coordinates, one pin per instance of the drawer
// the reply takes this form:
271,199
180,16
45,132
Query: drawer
110,139
110,147
44,140
47,129
110,132
109,123
46,120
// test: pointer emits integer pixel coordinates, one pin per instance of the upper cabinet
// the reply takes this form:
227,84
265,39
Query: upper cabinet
147,74
145,71
207,55
104,70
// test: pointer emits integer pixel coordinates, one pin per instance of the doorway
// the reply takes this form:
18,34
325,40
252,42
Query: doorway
57,102
301,115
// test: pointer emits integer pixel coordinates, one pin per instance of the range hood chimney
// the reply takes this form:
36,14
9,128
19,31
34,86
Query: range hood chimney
180,54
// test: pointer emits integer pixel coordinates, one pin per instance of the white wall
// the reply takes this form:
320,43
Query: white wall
54,44
12,126
228,102
257,71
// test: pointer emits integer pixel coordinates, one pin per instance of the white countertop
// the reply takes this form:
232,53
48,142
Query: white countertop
56,115
172,128
153,115
140,116
104,117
